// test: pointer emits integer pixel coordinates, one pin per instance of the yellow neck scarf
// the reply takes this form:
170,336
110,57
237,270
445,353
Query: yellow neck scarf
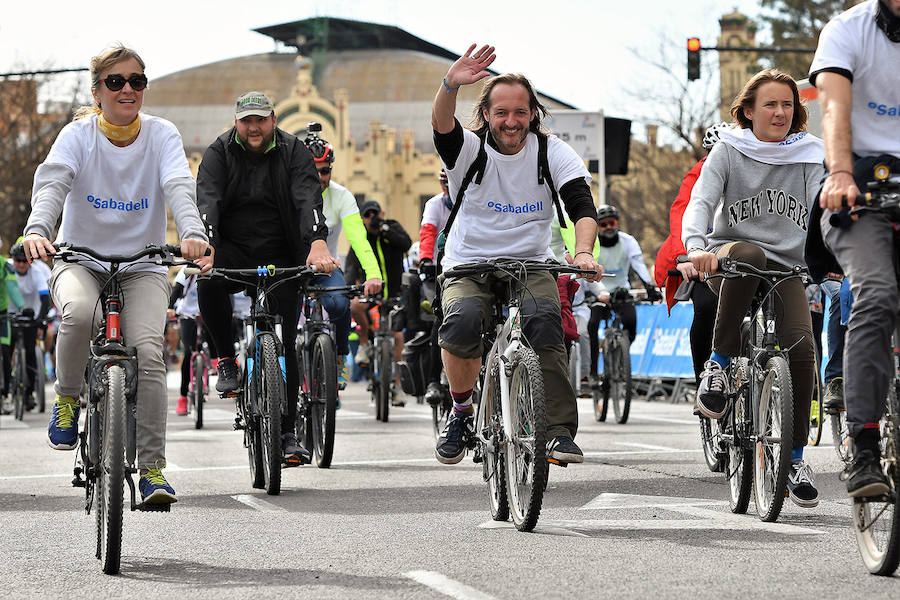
119,133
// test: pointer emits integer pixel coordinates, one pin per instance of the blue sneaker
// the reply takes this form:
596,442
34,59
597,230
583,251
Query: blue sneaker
155,489
62,433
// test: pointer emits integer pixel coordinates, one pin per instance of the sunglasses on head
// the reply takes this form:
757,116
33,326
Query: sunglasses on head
605,224
117,82
325,170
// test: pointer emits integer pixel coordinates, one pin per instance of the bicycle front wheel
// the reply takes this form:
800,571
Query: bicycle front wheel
270,399
709,437
775,434
620,381
111,472
19,377
840,435
877,520
599,397
198,390
526,445
324,398
40,380
489,423
384,362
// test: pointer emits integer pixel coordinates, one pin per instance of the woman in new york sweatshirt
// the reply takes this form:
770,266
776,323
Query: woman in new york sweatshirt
751,203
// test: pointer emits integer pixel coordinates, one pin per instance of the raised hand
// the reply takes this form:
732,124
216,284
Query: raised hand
470,68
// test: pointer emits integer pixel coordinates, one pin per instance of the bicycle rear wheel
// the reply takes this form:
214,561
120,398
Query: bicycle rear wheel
735,429
111,472
877,520
816,413
599,398
526,446
489,423
198,391
709,437
383,376
323,387
775,434
620,380
840,435
17,385
271,398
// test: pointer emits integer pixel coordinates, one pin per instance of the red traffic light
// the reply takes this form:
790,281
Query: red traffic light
693,44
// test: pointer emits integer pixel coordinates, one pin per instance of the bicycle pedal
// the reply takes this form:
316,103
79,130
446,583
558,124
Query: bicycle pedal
163,507
77,481
556,462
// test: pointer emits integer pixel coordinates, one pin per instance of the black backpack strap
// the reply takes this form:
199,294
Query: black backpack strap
544,173
476,173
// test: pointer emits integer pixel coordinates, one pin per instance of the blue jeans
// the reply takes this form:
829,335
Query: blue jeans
338,307
835,365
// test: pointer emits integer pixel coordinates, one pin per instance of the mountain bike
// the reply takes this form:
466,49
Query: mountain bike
511,421
317,362
108,442
756,432
260,400
200,365
876,520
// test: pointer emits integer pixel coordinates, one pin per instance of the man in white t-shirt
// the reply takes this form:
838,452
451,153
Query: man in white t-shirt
341,214
506,213
855,71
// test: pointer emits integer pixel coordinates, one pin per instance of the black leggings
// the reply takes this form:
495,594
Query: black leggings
706,304
214,297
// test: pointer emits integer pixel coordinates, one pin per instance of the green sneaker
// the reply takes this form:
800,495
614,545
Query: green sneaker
343,373
155,489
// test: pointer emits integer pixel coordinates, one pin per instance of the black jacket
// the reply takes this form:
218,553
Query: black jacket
292,172
389,246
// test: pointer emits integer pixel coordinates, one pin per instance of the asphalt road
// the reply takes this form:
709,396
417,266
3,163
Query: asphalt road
642,517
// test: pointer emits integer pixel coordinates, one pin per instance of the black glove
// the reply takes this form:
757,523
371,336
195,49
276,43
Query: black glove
28,312
426,267
653,294
376,223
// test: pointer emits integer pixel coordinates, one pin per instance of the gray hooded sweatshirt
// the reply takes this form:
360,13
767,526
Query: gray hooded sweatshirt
739,199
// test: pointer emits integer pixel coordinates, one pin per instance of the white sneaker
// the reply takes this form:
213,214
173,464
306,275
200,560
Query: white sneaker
362,354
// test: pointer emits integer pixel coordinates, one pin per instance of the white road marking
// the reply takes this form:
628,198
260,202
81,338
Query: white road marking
619,501
665,420
647,446
447,586
258,503
539,529
636,452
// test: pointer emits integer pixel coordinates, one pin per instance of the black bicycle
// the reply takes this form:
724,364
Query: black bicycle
876,520
317,361
261,400
381,363
199,372
108,442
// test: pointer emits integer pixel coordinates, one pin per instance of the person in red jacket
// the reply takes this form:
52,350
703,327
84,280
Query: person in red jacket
705,301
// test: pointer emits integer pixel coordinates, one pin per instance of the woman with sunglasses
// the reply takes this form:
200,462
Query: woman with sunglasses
110,174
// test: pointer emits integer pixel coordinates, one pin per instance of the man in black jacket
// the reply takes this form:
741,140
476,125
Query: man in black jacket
390,242
259,192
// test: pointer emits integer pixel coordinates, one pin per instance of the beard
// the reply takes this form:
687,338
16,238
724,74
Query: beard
501,133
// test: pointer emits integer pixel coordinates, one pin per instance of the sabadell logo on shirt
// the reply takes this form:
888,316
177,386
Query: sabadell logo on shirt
500,207
883,109
130,206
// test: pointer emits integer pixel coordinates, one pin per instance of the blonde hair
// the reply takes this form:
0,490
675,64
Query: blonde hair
747,98
102,62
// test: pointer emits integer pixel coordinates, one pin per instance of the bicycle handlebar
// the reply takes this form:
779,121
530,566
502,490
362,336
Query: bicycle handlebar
490,266
166,254
730,268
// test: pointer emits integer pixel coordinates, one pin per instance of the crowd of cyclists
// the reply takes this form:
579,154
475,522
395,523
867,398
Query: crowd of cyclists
764,195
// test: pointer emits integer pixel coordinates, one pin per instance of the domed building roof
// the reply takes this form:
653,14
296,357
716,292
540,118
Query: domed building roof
389,74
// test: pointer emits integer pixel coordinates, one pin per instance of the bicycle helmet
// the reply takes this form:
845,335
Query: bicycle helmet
17,250
605,211
712,135
321,150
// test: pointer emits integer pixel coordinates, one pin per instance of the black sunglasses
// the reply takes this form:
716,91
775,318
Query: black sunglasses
325,170
117,82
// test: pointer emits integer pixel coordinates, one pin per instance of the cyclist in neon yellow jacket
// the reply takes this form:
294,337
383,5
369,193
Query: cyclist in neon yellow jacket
341,214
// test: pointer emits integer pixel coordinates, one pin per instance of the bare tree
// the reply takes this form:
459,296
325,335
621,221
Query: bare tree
28,132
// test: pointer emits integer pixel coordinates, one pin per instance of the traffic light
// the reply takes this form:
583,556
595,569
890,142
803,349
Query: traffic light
693,58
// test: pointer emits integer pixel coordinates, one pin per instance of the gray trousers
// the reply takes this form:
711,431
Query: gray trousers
864,250
75,290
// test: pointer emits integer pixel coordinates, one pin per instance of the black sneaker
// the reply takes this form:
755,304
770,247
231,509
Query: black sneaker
434,394
712,395
455,438
228,376
563,450
800,485
292,452
833,398
864,476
